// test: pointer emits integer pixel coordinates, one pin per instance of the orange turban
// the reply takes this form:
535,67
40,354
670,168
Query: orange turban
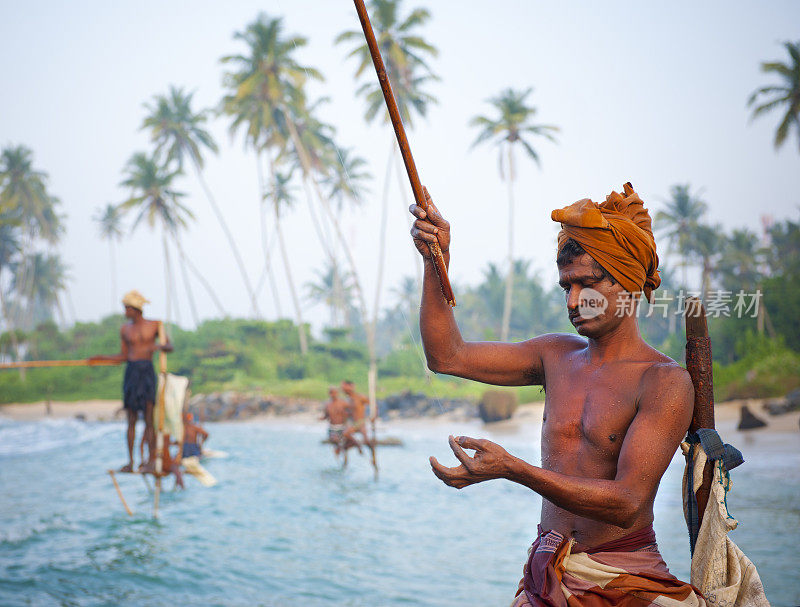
618,235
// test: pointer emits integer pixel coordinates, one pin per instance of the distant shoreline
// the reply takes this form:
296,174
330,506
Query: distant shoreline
726,413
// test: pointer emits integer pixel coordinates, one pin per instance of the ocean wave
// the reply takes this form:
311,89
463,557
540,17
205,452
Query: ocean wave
25,438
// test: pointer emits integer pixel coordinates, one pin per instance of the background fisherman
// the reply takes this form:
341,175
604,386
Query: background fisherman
137,345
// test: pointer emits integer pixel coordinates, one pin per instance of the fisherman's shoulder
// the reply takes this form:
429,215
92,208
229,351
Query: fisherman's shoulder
557,342
665,376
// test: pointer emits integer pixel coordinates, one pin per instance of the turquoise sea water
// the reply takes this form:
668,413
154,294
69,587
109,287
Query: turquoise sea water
286,526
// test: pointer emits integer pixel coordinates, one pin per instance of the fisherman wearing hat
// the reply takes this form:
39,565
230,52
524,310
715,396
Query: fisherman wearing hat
615,412
138,343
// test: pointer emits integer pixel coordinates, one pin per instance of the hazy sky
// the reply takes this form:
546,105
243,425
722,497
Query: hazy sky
654,93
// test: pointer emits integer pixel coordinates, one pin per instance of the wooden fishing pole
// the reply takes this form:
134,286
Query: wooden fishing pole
33,364
698,364
160,406
402,142
119,493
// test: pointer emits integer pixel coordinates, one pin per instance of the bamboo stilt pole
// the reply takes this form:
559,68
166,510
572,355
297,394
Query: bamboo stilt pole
162,363
119,492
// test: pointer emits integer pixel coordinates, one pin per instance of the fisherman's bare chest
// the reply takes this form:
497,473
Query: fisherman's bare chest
140,334
588,410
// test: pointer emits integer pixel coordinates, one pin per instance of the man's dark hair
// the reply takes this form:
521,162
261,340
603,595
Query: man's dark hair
572,250
348,381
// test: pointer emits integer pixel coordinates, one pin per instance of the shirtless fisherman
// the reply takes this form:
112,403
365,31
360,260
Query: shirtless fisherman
615,411
138,343
358,413
336,412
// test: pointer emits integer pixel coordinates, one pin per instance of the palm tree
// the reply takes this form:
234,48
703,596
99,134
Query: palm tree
785,95
47,278
346,180
180,131
511,126
679,220
333,290
155,202
25,201
24,196
282,196
405,54
706,243
109,222
10,248
263,84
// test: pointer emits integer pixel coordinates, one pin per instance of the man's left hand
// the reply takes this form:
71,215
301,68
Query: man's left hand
489,462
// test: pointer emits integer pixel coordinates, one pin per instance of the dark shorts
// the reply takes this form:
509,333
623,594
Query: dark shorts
191,450
139,385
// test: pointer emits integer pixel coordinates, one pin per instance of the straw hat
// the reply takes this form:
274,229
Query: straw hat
134,299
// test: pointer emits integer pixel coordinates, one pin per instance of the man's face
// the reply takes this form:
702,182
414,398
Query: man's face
130,312
333,393
348,388
592,300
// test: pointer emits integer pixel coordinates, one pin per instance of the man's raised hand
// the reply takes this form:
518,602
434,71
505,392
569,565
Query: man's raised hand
489,462
429,227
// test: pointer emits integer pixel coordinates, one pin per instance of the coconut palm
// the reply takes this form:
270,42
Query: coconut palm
679,220
262,85
405,54
346,178
46,280
24,195
705,244
512,126
784,96
282,195
10,249
179,131
24,200
109,222
155,202
333,290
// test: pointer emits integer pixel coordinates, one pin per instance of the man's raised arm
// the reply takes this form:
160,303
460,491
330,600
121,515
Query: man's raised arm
503,364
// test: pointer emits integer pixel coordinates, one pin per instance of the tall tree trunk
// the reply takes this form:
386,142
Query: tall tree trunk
301,329
262,206
189,294
510,276
12,331
167,277
201,279
231,241
113,259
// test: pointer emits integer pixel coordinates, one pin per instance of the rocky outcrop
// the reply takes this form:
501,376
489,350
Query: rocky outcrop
497,405
237,406
410,404
749,421
219,406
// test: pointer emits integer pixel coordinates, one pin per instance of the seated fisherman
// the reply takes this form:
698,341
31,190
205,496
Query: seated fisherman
193,437
615,411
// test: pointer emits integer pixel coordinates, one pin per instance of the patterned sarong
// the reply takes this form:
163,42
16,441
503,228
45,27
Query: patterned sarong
628,572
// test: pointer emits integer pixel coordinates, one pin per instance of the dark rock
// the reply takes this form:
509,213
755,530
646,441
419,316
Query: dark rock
793,400
776,406
749,421
497,405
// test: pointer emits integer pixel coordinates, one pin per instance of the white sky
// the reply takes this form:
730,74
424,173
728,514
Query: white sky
651,93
